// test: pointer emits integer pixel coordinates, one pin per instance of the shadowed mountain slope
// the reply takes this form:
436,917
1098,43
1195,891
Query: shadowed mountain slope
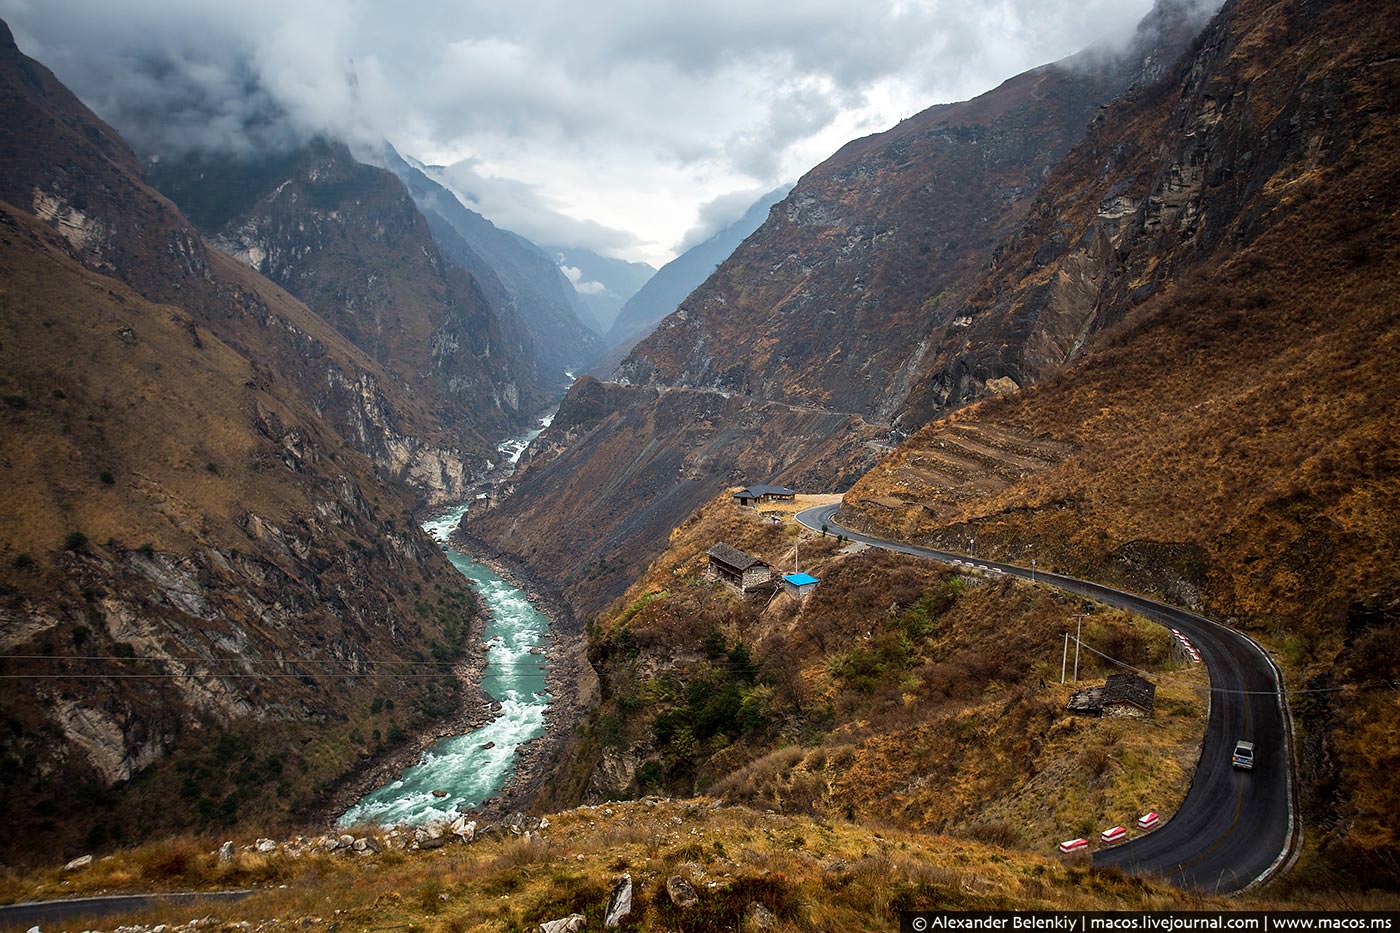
204,567
347,239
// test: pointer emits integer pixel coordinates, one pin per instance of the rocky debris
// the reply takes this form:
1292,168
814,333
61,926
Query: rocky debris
82,861
266,845
681,892
759,917
464,828
620,904
570,924
430,836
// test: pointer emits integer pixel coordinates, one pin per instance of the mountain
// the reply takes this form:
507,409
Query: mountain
819,322
209,588
1205,300
347,239
603,284
543,299
664,292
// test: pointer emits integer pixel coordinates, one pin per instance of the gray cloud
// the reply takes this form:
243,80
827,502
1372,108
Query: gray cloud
522,208
612,116
718,213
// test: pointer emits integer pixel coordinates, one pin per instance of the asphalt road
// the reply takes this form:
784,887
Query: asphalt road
1235,828
44,913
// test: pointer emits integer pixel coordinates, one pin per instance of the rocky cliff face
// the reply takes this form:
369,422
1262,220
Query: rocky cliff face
347,239
665,290
828,312
206,580
537,293
841,296
1217,262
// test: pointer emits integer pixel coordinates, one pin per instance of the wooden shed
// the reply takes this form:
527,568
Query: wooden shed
737,568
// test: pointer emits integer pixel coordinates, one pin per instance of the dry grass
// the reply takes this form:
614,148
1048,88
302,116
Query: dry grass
814,874
900,692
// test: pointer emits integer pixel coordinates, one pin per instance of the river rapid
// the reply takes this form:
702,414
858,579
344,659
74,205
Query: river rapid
459,772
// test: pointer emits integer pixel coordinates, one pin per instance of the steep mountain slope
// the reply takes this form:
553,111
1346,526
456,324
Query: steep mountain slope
603,284
347,239
1226,440
816,321
204,574
899,691
665,291
543,298
60,162
825,305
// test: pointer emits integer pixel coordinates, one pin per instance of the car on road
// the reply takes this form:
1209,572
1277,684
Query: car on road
1243,757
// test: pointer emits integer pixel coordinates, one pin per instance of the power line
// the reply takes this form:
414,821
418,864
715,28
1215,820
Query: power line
232,659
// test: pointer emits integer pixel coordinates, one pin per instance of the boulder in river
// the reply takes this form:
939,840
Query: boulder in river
439,794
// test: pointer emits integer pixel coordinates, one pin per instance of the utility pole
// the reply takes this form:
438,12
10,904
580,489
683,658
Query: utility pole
1077,632
1064,658
1032,569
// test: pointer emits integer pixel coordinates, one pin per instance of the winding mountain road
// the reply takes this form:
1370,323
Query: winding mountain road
1235,829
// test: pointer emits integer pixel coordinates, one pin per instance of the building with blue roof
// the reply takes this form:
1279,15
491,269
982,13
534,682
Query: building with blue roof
800,585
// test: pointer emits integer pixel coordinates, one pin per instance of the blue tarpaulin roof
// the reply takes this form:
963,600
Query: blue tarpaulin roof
801,579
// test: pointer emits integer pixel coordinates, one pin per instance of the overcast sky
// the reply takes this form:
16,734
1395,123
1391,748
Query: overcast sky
629,128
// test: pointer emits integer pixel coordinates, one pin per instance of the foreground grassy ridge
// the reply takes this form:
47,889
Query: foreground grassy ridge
814,874
901,692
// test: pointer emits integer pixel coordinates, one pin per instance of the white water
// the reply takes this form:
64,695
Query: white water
515,677
515,446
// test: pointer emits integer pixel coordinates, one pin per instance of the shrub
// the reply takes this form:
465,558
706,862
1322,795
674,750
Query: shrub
107,478
22,562
76,541
16,401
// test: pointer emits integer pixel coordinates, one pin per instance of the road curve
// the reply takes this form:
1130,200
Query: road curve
1235,829
36,913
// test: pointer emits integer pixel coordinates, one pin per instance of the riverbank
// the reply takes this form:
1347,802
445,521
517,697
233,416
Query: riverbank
570,679
475,710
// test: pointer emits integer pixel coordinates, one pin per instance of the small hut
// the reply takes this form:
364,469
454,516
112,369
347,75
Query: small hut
1121,695
737,568
800,585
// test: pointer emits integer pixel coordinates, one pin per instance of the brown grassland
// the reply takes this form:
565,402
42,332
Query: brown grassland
902,693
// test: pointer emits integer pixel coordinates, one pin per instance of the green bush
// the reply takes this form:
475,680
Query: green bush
76,541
